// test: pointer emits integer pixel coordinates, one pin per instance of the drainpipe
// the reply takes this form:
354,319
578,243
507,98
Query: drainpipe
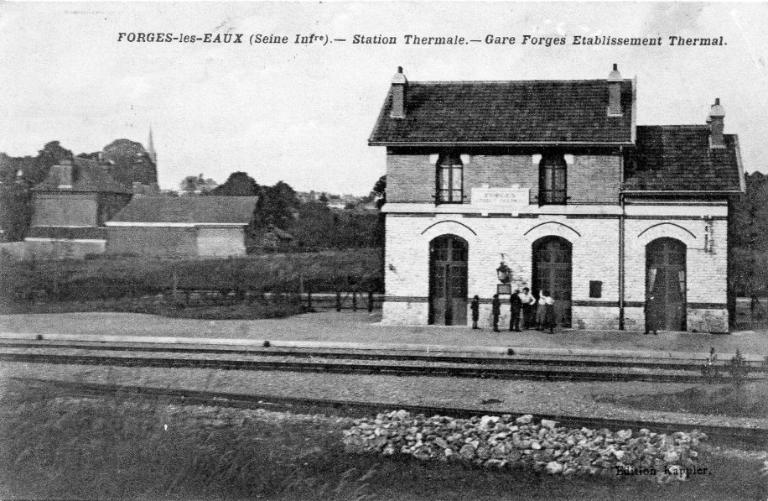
621,239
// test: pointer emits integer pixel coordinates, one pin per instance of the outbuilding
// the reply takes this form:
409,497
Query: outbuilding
185,226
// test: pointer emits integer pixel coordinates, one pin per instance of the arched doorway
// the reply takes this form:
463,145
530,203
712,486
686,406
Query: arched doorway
665,285
552,272
448,280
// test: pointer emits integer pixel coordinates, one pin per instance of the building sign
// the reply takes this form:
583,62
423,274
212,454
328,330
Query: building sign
512,199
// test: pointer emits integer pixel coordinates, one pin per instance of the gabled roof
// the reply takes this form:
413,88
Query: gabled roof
87,176
513,112
188,209
679,158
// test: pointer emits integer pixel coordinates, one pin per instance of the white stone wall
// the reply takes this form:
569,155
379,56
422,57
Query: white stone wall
594,241
595,250
50,248
220,242
706,278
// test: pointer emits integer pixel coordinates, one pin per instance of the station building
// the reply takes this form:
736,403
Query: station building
625,225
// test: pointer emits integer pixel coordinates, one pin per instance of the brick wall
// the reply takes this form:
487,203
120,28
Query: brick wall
64,209
151,241
590,178
594,179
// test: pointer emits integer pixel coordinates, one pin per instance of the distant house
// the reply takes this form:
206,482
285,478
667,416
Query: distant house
276,239
181,226
70,207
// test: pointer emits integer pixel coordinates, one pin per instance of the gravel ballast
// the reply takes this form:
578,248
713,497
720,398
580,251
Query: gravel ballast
507,442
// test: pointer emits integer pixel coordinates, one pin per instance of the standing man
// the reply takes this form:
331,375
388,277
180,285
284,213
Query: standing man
475,307
528,301
495,311
515,305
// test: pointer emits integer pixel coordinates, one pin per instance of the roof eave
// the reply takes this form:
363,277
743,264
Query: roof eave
739,165
679,192
500,143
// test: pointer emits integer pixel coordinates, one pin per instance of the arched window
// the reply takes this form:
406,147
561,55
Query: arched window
450,179
552,179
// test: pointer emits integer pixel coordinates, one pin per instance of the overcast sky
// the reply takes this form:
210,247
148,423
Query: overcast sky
303,114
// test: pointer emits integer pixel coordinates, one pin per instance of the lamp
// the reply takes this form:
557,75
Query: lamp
503,272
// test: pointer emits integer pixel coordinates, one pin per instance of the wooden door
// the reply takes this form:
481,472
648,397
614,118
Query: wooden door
552,272
665,285
448,281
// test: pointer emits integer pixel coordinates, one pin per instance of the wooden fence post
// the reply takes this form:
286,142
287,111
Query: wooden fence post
354,300
309,297
370,301
338,301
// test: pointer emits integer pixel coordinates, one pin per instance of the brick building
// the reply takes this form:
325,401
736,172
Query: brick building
70,207
626,225
181,226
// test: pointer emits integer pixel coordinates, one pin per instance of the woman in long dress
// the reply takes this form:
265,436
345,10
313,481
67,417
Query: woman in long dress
549,312
541,311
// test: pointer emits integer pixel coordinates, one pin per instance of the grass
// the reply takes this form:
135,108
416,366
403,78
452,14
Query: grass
110,277
748,400
57,446
220,310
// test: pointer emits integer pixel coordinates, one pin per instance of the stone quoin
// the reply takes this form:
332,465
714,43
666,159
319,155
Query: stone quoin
626,225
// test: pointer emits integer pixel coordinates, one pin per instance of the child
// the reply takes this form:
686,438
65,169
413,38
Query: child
495,311
475,307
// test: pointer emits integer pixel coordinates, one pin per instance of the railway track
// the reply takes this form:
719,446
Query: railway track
752,437
322,361
382,354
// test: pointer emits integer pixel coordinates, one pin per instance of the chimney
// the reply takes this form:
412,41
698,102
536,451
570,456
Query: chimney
63,173
399,91
716,125
614,92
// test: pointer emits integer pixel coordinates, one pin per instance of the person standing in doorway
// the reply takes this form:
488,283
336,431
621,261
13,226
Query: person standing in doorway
549,311
495,311
475,307
515,305
541,310
528,301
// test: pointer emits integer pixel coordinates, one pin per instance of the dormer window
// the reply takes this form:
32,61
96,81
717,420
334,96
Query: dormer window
552,180
450,179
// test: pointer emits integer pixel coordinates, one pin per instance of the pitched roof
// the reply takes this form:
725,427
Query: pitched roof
188,209
679,158
87,175
559,111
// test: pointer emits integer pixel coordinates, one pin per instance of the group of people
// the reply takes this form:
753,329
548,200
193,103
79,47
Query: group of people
534,312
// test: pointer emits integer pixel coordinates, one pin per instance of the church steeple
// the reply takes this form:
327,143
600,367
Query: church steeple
151,147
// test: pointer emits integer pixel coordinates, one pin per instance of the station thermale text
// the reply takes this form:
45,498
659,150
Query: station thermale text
415,39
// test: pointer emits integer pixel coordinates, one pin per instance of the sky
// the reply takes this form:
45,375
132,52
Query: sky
302,113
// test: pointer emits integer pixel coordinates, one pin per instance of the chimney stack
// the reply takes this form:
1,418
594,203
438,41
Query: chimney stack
716,125
399,91
614,92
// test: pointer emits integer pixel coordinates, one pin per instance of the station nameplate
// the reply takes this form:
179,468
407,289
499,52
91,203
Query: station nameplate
498,198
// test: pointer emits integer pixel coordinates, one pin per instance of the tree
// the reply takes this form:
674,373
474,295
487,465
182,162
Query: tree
196,185
17,176
238,184
277,206
379,191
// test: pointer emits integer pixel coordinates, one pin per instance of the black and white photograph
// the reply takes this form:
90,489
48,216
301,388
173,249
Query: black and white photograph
362,250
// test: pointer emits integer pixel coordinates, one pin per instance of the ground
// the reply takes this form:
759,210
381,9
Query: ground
55,445
58,446
363,327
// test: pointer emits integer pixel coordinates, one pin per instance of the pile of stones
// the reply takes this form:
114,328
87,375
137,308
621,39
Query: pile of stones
505,441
